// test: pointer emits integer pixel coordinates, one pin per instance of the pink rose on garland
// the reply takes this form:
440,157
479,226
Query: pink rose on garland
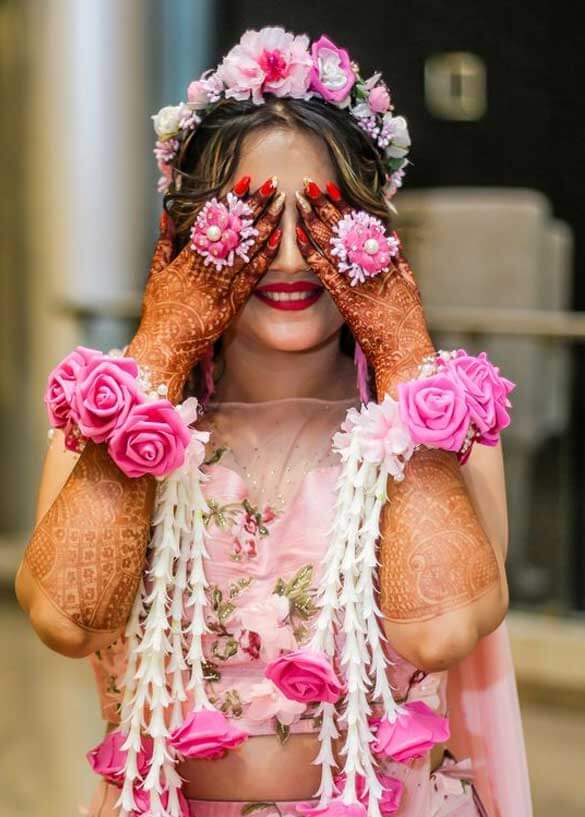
108,758
267,61
435,411
332,76
152,440
105,394
392,789
206,733
413,733
305,675
142,800
486,392
62,382
334,808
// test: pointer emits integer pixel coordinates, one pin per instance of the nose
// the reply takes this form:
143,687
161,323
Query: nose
289,261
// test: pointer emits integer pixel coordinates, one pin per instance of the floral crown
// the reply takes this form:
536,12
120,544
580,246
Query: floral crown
274,61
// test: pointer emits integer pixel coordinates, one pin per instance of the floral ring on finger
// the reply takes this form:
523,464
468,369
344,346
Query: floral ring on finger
362,246
224,230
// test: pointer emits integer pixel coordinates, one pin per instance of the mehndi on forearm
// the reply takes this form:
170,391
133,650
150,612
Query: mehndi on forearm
87,552
434,554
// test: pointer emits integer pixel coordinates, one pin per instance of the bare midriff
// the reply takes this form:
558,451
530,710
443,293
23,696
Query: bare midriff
262,768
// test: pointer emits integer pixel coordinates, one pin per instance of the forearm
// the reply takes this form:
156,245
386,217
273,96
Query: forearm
442,583
83,563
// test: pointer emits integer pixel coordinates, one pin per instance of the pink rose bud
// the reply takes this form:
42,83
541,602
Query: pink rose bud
379,99
104,396
434,410
197,95
412,734
62,382
108,758
305,675
152,440
206,733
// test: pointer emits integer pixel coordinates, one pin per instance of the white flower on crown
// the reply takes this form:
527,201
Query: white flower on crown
400,143
166,121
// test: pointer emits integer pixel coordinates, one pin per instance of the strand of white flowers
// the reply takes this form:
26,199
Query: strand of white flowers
136,691
129,724
328,600
155,646
355,658
197,585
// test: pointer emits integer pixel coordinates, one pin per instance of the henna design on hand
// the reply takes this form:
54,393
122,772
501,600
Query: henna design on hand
385,313
434,555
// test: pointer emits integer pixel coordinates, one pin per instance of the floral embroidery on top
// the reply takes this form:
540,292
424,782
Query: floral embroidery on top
247,525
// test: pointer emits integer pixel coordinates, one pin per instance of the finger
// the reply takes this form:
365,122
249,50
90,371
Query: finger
327,208
260,199
245,282
264,227
319,233
163,249
335,282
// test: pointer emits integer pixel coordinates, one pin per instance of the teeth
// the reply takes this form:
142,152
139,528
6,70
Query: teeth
288,296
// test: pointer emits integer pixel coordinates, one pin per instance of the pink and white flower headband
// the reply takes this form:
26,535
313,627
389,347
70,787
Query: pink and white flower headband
274,61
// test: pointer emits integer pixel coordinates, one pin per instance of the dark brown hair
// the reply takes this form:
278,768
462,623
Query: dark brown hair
209,156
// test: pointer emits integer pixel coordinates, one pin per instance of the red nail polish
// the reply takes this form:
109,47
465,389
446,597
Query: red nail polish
274,239
301,235
313,190
242,185
163,223
267,188
334,191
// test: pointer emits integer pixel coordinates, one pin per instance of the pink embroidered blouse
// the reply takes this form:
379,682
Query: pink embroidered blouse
270,487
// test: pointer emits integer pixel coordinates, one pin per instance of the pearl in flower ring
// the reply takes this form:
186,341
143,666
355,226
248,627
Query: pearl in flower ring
362,246
223,231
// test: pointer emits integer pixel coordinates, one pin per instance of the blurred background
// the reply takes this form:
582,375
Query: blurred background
493,223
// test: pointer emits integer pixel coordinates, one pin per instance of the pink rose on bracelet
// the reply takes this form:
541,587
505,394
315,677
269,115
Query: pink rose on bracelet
486,392
206,733
152,440
305,675
61,384
108,758
105,393
434,409
413,733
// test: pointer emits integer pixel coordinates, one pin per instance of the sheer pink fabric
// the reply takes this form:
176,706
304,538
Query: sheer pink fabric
271,484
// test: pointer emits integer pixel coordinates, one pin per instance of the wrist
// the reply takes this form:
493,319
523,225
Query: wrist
164,365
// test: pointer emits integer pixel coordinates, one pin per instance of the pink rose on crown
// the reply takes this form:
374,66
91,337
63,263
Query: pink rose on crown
106,392
434,410
152,440
62,382
306,676
108,758
332,76
413,733
392,790
267,61
486,392
206,733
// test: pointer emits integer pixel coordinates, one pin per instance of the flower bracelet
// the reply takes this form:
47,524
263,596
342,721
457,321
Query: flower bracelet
109,398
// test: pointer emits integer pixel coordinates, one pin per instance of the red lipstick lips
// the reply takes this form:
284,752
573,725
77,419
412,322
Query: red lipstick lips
289,296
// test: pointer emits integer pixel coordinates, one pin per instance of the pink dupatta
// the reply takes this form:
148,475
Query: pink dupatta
484,715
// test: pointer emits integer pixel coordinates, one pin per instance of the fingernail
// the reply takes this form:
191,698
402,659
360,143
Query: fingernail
303,203
312,189
301,235
242,185
274,239
163,223
333,191
276,205
268,186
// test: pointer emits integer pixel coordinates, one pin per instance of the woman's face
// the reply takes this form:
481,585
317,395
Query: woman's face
289,310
